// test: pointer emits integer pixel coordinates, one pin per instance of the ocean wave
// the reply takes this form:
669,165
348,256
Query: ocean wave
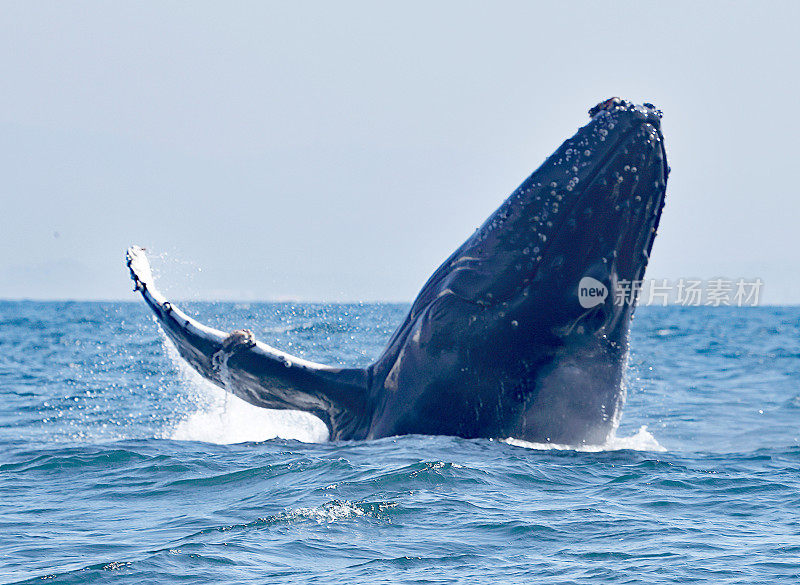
326,513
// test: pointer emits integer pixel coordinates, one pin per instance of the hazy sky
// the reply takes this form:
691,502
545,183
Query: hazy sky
341,150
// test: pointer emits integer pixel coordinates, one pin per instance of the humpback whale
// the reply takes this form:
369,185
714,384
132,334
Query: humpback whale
517,334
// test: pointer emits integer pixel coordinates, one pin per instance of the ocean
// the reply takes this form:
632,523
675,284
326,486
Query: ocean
119,465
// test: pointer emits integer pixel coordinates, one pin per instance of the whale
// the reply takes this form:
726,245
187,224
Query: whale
522,332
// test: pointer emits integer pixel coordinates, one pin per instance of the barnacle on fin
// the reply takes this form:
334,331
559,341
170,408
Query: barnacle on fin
239,339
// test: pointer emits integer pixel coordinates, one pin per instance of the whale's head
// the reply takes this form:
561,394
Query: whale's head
542,294
564,252
569,248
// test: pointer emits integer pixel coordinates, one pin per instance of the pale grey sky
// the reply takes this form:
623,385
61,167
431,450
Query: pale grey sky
341,150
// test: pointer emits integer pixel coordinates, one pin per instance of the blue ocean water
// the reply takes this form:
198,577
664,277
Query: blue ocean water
119,465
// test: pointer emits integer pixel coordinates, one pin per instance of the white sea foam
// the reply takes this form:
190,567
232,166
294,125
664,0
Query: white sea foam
219,417
329,512
235,421
642,440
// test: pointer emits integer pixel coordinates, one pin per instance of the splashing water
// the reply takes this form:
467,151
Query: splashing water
224,419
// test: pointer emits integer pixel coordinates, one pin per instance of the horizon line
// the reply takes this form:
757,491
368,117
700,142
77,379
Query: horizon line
326,302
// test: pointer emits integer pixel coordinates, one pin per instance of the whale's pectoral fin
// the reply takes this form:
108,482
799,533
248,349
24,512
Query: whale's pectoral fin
253,371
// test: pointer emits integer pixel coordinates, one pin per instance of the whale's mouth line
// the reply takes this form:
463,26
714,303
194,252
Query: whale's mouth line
665,174
642,242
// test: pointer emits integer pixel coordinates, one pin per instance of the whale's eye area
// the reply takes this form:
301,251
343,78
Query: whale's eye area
595,319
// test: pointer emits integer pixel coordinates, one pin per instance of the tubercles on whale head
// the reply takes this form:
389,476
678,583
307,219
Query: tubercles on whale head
646,110
589,211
